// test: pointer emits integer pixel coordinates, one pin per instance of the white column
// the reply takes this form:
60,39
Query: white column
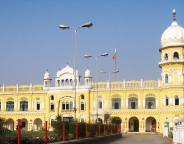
124,85
42,104
121,103
30,87
3,87
159,82
17,88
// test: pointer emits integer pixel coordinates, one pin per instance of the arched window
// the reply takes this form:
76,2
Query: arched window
82,96
100,104
24,106
71,82
150,103
63,105
38,106
166,56
166,101
67,82
58,82
176,55
9,106
67,105
71,105
51,121
176,100
52,97
166,78
116,103
82,105
52,106
82,120
62,83
132,103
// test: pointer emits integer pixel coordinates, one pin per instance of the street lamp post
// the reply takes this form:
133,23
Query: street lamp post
109,73
88,25
96,59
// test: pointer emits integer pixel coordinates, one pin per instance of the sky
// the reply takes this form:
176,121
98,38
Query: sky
31,41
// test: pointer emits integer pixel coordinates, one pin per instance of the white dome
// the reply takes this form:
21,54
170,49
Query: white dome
58,73
87,73
173,35
67,69
47,75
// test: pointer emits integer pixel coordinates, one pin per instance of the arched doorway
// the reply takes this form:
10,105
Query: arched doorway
24,124
10,124
150,124
133,124
37,124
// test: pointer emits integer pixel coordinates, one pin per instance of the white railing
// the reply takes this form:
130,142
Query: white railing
167,61
178,134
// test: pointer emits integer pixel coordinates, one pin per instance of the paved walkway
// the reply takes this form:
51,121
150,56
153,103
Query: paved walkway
140,139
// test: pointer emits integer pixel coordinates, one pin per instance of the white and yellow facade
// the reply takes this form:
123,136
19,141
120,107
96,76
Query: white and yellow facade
139,105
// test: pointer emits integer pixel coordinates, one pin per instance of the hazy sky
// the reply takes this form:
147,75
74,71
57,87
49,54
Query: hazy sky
31,41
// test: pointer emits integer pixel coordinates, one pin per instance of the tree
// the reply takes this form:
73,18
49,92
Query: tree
106,118
2,129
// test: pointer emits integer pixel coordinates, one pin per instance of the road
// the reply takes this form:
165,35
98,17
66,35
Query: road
140,139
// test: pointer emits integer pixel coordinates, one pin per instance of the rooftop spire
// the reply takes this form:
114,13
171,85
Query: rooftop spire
174,14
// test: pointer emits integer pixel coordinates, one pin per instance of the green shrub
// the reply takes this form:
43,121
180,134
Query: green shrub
170,134
82,129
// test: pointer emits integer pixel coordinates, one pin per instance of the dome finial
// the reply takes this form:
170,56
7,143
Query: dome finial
174,14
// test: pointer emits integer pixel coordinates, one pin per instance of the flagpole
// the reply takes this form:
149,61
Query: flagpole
115,66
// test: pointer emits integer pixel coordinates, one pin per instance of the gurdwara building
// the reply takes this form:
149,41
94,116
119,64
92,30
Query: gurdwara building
138,106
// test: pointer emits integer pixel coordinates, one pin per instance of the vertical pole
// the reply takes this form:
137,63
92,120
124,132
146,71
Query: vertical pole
111,129
18,130
63,132
75,82
104,130
86,130
110,93
46,132
77,132
98,130
96,58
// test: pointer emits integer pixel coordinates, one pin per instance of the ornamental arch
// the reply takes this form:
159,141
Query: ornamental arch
150,124
10,124
133,124
37,124
24,124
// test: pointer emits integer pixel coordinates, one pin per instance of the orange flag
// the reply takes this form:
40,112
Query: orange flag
114,57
